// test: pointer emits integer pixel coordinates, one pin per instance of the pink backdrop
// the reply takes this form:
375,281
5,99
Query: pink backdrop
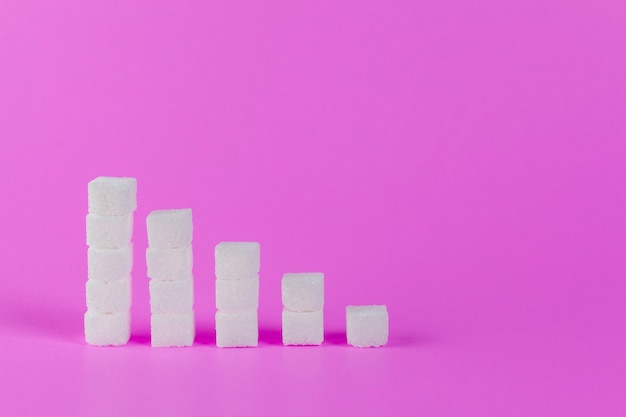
461,162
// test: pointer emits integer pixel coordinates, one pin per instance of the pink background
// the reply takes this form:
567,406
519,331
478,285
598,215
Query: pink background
461,162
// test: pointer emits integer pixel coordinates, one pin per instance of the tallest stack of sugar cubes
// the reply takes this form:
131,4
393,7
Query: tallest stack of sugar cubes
111,202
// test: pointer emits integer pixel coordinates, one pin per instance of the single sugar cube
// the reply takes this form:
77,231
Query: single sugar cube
111,196
303,291
169,264
107,329
171,296
169,228
367,326
172,330
239,329
108,296
109,232
240,295
303,328
237,260
109,264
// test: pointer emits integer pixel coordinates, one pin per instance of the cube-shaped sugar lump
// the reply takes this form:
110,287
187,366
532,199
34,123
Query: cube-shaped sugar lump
303,328
107,329
367,326
237,260
169,264
240,295
109,296
109,232
239,329
172,330
111,196
169,228
303,291
171,296
109,264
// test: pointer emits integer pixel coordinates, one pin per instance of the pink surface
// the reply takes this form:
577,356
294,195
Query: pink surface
461,162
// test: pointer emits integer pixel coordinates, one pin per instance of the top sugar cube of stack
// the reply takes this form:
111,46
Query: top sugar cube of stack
237,260
303,291
111,196
169,228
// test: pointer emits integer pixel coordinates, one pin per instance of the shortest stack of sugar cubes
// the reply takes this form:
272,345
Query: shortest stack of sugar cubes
169,260
303,308
111,202
367,326
237,266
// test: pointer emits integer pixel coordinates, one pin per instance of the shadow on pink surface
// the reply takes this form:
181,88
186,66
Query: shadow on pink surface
270,336
140,338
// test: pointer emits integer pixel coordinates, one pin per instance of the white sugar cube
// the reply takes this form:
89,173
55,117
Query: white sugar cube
109,296
169,228
303,291
109,264
240,295
237,260
109,231
171,296
303,328
367,326
172,330
111,196
239,329
169,264
107,329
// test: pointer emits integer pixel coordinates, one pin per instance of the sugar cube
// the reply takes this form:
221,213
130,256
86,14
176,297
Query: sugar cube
169,264
303,328
367,326
237,260
172,330
108,296
109,264
107,329
169,228
240,295
303,291
109,232
171,296
239,329
111,196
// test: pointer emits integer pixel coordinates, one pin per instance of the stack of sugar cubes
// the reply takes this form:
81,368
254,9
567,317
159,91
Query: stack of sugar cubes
303,308
169,260
367,326
111,202
237,266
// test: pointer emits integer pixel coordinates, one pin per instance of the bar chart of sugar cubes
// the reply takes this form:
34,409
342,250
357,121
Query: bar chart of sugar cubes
112,202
